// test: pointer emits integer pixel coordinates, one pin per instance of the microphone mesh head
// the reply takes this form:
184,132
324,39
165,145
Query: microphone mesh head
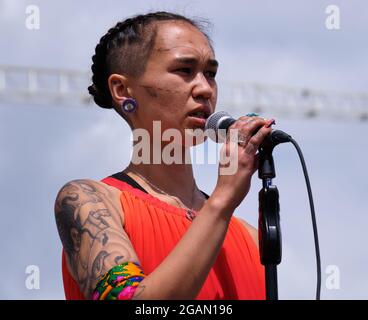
214,119
213,122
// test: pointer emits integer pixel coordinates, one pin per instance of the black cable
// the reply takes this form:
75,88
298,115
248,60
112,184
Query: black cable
315,232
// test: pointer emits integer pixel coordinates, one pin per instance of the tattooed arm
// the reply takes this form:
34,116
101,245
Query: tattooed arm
88,218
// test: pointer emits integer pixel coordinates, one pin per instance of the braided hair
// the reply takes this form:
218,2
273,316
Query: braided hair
125,49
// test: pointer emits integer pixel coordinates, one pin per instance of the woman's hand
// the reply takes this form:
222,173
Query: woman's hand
239,161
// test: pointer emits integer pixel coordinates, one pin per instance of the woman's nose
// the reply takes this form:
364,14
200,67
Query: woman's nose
202,88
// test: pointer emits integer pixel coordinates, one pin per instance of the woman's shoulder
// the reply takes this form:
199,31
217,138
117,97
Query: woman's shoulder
251,230
93,188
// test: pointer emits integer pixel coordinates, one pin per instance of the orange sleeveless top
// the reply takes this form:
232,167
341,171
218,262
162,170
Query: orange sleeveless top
155,227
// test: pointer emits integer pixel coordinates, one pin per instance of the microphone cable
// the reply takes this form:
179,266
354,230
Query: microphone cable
313,215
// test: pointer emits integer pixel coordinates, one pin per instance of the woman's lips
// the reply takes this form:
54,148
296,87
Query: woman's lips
198,121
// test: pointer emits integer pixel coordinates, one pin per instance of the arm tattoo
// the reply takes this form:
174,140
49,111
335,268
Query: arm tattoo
84,234
98,263
118,259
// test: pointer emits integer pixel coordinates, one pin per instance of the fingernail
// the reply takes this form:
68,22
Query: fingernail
270,123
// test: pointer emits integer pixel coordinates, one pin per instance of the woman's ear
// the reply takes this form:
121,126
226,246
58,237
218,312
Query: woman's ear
119,88
120,91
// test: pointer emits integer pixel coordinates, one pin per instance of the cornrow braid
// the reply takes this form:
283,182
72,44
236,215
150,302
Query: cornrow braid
125,49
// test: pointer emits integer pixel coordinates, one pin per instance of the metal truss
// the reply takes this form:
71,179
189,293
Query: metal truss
52,87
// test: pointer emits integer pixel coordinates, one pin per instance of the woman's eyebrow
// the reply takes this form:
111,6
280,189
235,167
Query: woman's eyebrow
192,60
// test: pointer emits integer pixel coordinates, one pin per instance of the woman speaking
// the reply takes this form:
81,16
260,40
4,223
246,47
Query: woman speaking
149,232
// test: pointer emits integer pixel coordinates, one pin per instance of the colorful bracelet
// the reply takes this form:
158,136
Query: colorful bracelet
119,283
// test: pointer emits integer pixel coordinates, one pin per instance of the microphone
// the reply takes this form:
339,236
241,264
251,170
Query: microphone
219,123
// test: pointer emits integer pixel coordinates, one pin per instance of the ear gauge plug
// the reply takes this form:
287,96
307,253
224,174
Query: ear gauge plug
129,105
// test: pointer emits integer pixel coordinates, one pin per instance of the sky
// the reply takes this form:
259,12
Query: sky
286,43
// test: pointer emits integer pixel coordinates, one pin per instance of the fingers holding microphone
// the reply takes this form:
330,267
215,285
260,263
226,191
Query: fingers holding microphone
257,138
244,137
238,156
251,131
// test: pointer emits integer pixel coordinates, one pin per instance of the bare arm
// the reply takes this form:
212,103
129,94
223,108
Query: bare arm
90,228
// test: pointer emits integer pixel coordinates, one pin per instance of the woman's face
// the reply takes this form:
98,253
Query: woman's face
179,79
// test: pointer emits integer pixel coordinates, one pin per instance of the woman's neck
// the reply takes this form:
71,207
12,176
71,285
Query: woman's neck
174,179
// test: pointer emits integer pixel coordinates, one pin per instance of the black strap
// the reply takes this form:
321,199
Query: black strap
122,176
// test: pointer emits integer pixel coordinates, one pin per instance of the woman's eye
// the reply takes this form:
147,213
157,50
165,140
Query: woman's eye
188,71
211,74
184,70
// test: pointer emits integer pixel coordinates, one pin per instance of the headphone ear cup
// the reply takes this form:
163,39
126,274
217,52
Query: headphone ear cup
129,105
